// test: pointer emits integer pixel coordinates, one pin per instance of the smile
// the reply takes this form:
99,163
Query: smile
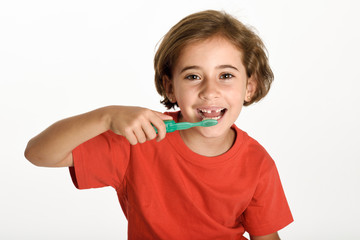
211,113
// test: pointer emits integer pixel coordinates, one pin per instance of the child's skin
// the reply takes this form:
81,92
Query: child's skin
208,75
53,147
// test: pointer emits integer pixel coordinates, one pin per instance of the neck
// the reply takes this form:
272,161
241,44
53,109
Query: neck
208,146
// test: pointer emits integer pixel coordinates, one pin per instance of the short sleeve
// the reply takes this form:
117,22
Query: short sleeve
268,211
101,161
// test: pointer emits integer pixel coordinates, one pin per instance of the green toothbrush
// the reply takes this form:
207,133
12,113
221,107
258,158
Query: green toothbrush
172,126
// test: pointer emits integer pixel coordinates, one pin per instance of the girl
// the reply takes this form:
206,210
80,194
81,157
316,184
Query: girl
200,183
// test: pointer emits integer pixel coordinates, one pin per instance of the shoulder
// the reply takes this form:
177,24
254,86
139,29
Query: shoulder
248,143
253,151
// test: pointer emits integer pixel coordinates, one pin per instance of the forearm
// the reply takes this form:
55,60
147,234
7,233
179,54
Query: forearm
55,144
53,147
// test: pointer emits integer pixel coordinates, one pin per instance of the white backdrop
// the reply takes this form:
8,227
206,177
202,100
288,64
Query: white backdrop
62,58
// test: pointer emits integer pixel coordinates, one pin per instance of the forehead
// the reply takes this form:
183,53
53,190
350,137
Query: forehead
214,50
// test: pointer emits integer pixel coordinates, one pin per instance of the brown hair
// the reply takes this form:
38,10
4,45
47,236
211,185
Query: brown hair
203,25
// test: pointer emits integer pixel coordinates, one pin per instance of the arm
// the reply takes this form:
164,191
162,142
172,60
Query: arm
53,147
272,236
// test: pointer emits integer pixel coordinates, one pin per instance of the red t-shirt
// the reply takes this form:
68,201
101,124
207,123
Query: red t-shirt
169,192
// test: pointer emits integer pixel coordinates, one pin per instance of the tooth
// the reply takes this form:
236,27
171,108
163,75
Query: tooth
206,111
209,111
216,118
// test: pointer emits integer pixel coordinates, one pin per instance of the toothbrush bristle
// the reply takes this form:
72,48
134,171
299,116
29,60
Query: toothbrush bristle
209,122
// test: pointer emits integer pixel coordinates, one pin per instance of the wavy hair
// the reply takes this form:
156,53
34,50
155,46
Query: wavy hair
201,26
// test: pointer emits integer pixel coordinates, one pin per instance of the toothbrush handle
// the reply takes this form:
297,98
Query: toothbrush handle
169,124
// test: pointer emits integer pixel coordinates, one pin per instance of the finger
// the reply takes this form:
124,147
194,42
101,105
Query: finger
161,128
140,135
149,131
130,136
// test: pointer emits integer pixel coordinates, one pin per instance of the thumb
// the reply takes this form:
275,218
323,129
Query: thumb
163,116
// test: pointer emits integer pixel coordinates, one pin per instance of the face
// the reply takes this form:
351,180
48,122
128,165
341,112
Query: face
210,82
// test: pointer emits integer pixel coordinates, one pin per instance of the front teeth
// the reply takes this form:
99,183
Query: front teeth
209,111
216,118
206,111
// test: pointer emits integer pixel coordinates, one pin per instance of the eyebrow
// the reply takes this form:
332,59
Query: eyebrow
227,66
218,67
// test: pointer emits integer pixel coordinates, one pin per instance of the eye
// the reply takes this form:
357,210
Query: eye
192,77
226,76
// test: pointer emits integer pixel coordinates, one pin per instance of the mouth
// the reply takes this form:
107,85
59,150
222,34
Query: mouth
211,112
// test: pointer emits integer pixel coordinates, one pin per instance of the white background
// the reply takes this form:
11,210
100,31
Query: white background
62,58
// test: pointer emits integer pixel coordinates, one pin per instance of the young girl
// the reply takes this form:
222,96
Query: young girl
200,183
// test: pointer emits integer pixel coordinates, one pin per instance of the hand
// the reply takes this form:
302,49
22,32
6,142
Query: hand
135,123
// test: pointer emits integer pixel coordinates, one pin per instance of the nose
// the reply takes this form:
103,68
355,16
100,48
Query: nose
209,90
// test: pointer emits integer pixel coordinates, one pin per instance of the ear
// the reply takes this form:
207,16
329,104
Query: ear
251,86
169,88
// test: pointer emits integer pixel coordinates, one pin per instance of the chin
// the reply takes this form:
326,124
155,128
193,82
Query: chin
213,132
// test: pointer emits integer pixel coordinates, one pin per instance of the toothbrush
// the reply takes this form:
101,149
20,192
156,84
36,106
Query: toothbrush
172,126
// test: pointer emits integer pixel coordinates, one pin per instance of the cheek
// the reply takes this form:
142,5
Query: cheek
183,93
235,93
184,99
